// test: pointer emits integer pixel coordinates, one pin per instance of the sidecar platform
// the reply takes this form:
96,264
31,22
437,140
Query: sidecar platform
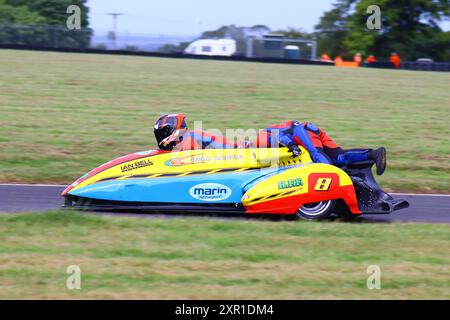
371,198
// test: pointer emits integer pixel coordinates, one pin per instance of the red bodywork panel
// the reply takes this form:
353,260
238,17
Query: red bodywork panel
291,204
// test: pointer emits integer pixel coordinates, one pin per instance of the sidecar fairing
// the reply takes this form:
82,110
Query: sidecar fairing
228,180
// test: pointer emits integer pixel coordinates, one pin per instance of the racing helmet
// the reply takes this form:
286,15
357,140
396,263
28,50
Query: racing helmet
168,129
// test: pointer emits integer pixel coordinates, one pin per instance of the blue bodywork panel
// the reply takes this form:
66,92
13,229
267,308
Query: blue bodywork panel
211,188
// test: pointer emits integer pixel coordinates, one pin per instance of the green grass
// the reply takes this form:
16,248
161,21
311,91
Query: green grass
62,114
198,258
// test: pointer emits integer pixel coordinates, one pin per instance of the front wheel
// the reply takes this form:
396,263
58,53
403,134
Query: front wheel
316,210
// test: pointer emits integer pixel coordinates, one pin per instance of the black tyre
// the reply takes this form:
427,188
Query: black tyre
316,210
348,216
343,211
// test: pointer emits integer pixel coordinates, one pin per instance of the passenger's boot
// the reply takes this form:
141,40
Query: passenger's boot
379,156
357,155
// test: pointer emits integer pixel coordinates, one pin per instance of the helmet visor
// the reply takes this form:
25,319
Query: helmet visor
162,133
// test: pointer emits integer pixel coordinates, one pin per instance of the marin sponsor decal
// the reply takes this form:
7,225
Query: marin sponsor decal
195,159
136,165
210,192
291,183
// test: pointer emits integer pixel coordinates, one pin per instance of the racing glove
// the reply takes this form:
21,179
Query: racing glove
293,147
301,134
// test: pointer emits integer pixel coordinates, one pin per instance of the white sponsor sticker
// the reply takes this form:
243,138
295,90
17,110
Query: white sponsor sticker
210,192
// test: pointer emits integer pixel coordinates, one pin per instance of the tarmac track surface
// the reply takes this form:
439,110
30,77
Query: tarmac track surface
16,198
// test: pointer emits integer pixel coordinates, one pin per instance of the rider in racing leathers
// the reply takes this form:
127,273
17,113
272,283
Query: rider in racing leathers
322,148
172,133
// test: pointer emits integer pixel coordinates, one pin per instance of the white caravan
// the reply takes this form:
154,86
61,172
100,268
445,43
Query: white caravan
212,47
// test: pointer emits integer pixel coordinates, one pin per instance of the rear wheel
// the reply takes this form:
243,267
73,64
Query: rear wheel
316,210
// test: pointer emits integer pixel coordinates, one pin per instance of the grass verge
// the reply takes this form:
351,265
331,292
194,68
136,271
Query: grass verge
196,258
62,114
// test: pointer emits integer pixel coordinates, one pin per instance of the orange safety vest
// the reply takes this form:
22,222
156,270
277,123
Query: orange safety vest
395,60
326,57
371,59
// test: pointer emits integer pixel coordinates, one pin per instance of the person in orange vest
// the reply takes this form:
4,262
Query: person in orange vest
337,60
357,58
371,59
325,57
395,60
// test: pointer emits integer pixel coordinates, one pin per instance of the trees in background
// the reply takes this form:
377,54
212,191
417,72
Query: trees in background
174,48
331,30
42,22
408,27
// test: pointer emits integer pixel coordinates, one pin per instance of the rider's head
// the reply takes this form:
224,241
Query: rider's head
169,128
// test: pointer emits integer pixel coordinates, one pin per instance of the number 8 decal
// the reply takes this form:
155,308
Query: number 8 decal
323,184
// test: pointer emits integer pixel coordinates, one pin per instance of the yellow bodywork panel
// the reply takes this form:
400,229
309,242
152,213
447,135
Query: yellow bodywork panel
203,161
290,182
